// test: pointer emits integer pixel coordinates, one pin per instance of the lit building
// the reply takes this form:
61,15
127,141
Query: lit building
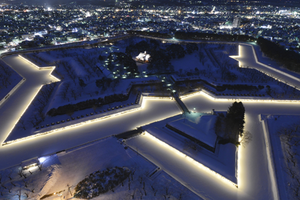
144,57
236,22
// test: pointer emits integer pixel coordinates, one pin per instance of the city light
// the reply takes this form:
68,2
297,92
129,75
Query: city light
66,34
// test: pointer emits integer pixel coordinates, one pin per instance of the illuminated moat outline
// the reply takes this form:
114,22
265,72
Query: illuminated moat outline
203,92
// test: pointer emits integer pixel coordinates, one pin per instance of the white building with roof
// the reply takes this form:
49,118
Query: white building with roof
144,57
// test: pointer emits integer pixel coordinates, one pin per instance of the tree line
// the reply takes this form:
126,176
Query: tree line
123,59
290,59
160,58
290,141
231,126
5,75
239,87
71,108
151,34
212,36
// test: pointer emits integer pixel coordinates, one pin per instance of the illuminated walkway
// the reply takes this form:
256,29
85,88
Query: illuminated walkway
247,57
153,110
15,106
183,169
254,176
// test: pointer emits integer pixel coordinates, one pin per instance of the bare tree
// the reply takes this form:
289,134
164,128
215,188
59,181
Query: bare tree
74,94
65,90
22,124
154,189
10,174
40,166
70,113
26,194
20,172
69,189
19,194
290,137
25,183
32,121
191,147
167,191
246,139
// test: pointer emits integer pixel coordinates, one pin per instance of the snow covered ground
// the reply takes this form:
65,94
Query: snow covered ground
153,110
254,175
17,104
184,169
8,79
285,136
248,58
61,172
202,128
223,160
79,64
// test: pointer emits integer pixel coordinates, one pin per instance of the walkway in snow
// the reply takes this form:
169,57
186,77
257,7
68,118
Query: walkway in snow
16,105
254,175
247,57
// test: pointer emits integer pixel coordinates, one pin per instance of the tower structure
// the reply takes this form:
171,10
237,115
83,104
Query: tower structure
236,22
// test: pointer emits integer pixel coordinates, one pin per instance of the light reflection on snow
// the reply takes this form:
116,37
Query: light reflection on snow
187,158
42,159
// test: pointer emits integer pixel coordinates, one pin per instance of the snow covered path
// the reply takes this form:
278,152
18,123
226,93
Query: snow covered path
253,176
153,110
181,168
16,105
247,57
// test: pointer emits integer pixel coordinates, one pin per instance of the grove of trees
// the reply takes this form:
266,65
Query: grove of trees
212,36
69,108
6,74
233,124
290,59
290,140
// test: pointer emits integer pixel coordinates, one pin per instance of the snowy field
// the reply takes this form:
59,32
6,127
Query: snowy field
184,169
254,174
153,110
201,128
223,160
60,173
82,79
8,79
285,140
254,179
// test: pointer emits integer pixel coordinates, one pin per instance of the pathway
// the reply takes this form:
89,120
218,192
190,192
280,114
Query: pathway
15,106
254,177
247,57
180,103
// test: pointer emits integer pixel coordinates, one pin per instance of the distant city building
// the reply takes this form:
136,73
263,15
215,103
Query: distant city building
236,22
144,57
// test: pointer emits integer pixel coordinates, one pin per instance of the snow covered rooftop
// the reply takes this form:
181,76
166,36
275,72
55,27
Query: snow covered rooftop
143,56
202,128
